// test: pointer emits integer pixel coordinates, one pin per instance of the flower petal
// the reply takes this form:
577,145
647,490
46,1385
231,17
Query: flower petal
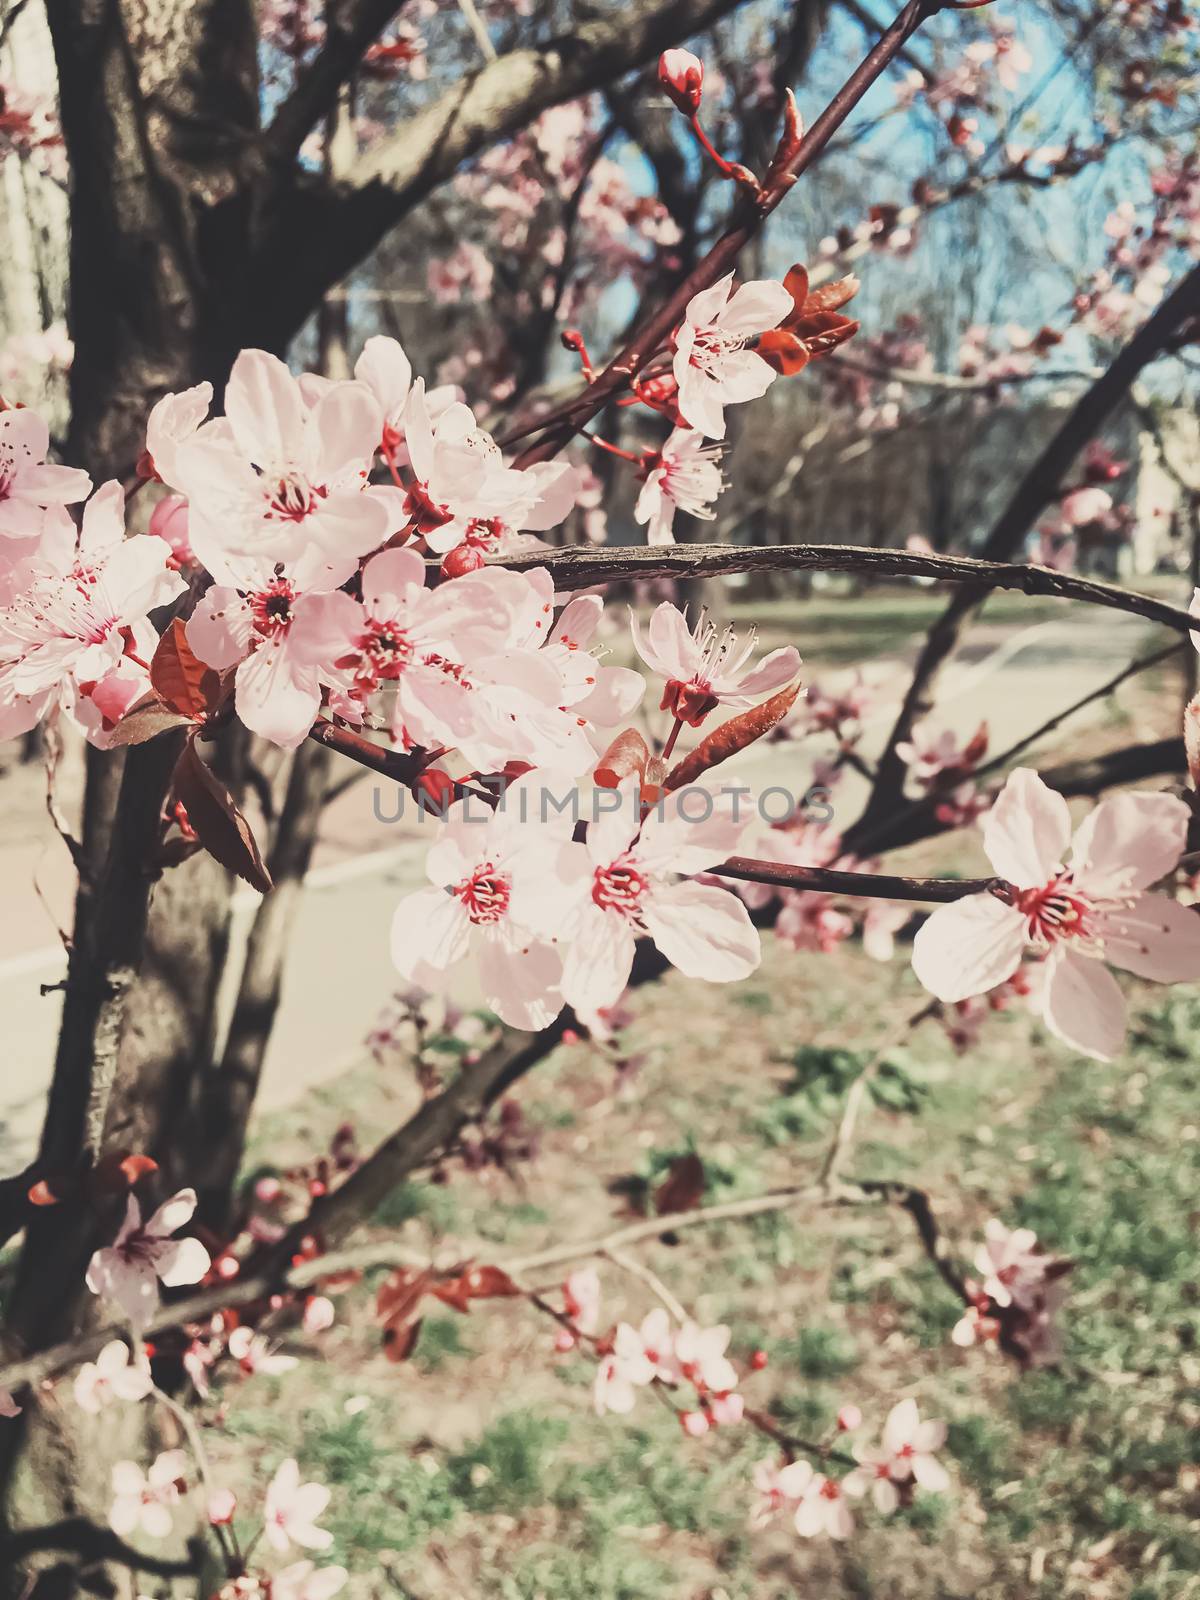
1129,842
1083,1006
1026,832
968,947
704,931
1156,937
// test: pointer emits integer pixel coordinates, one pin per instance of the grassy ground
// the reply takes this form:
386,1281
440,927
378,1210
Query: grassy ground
478,1468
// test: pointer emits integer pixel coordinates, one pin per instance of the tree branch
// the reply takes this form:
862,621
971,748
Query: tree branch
583,566
322,231
349,29
1035,491
749,216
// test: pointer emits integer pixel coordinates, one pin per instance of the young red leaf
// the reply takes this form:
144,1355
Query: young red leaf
682,1187
400,1293
627,754
52,1191
783,351
180,678
400,1340
832,296
796,284
731,737
218,824
146,720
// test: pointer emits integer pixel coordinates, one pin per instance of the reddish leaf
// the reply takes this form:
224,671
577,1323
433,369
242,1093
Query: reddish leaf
146,720
396,1305
120,1171
399,1341
219,825
627,754
682,1187
400,1293
783,351
52,1191
181,678
832,296
731,737
476,1283
796,284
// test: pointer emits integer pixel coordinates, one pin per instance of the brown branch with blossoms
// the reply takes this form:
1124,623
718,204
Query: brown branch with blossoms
794,154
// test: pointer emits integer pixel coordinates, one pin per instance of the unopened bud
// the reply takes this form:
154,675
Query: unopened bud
681,75
849,1418
462,559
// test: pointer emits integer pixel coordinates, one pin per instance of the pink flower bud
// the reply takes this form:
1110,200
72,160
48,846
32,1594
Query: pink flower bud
222,1504
268,1190
694,1423
318,1314
681,75
849,1418
564,1340
169,522
727,1408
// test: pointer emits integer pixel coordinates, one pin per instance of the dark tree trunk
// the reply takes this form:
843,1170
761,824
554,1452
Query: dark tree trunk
159,103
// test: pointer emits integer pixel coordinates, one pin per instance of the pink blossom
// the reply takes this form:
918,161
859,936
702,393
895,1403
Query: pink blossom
1085,505
169,522
1094,911
427,646
908,1451
292,1509
319,1314
581,1299
626,892
1012,1267
387,372
283,639
142,1501
82,606
254,1353
503,887
685,476
28,484
713,365
700,1354
822,1504
277,480
639,1357
129,1270
705,669
172,423
114,1375
304,1581
222,1504
778,1486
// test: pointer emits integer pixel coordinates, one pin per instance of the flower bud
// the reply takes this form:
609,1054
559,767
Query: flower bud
849,1418
694,1423
681,75
222,1503
462,559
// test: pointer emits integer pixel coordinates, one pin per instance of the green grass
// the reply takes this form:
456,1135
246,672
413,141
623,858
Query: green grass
484,1446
